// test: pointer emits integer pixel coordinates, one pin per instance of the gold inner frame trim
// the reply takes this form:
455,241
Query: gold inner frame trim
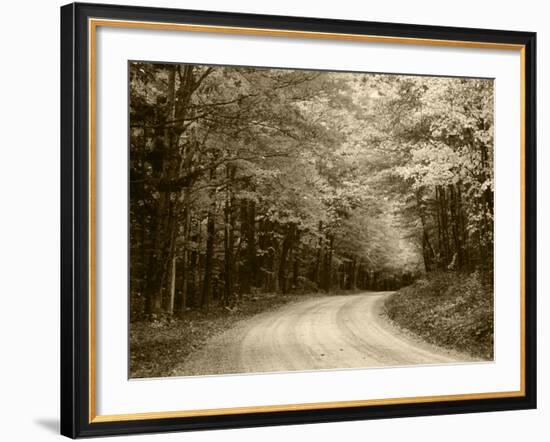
93,24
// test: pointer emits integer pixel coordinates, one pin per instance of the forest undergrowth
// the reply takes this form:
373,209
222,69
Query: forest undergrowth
449,309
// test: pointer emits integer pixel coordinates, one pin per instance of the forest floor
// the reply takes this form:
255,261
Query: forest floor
451,310
156,346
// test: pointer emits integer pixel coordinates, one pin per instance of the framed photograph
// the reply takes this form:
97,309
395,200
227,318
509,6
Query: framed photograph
274,220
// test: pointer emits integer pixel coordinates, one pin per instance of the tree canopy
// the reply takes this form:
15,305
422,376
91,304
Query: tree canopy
248,180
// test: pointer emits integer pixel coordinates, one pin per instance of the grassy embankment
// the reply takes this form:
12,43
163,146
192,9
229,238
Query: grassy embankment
452,310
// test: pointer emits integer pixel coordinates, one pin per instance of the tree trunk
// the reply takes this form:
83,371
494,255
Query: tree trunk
285,248
455,228
208,261
462,223
247,271
427,249
356,267
180,303
444,226
228,238
296,260
328,264
319,258
161,233
172,286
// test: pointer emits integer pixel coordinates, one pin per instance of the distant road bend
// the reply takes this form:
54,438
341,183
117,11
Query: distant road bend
318,333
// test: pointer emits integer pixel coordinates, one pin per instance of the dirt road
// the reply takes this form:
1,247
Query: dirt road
319,333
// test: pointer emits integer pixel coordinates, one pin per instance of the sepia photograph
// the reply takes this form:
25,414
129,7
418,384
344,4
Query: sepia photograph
294,220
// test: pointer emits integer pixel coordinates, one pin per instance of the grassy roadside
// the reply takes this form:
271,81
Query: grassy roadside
452,310
155,347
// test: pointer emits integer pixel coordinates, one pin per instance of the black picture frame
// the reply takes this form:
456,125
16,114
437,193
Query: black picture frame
75,220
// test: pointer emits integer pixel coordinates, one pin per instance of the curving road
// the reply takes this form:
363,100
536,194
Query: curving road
320,333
